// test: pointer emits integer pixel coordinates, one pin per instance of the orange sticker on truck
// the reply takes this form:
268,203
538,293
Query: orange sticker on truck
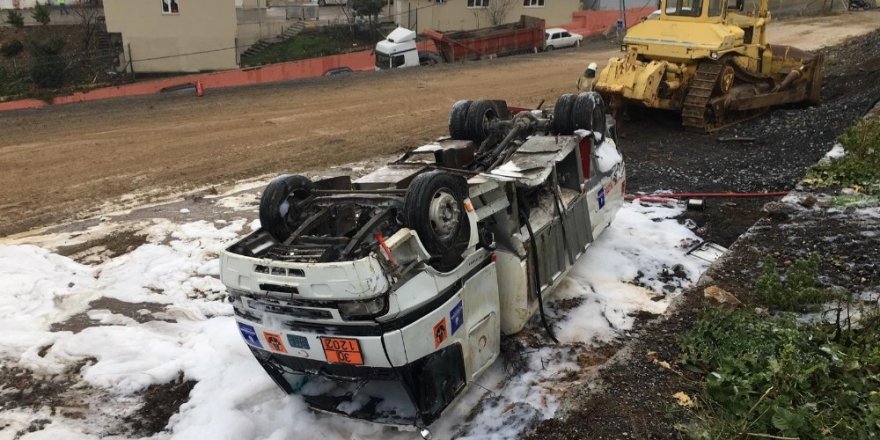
440,332
342,351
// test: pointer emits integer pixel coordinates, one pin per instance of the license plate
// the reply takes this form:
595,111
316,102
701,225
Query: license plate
342,351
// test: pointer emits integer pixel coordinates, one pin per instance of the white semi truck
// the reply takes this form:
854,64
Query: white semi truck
385,297
400,48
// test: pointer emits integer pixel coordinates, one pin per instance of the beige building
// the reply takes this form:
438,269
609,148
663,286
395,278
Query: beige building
459,15
175,35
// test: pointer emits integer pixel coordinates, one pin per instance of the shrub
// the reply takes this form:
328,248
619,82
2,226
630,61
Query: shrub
41,13
48,67
12,83
777,377
861,165
12,48
15,18
799,291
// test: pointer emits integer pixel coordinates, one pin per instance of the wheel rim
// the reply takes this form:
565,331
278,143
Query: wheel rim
444,214
488,117
295,201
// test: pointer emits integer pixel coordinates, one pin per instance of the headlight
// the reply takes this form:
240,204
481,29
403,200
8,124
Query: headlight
623,48
713,55
351,310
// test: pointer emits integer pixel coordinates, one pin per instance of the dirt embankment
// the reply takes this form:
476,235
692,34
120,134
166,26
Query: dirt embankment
63,162
634,396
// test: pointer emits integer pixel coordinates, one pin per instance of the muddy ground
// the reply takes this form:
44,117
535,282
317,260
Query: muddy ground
66,162
633,396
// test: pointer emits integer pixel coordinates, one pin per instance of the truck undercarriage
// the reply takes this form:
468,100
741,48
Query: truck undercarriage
384,297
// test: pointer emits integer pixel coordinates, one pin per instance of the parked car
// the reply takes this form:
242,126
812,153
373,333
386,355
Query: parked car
557,38
338,71
385,297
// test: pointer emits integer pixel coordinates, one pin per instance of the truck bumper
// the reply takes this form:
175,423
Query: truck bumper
413,394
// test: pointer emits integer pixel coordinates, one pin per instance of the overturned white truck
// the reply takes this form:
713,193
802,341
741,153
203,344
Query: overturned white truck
383,298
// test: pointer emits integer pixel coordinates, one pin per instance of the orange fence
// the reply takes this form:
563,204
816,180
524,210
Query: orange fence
589,23
362,61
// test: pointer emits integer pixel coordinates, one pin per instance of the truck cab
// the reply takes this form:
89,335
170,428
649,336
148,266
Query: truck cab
397,50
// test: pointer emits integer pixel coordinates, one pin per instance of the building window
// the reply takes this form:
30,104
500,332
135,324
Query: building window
533,3
170,7
478,3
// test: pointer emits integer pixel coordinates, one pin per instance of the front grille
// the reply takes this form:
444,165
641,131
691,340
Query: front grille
297,312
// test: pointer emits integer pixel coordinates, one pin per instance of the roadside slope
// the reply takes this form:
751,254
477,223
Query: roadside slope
62,162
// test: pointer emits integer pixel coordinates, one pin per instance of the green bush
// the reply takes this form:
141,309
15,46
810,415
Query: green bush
780,377
12,48
800,290
12,82
41,13
48,66
15,18
861,165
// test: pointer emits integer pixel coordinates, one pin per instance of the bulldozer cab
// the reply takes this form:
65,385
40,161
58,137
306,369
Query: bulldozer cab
693,10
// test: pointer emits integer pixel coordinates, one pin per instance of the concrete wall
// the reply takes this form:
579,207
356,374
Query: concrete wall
201,37
455,15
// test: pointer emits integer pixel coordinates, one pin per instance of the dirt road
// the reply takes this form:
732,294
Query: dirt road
71,161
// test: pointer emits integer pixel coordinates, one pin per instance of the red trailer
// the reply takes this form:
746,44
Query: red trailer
526,35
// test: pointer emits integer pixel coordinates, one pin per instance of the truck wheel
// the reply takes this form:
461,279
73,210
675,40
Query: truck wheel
458,119
434,208
588,113
480,114
283,200
562,123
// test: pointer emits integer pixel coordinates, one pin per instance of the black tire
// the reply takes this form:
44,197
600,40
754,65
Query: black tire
283,202
562,123
588,113
480,113
429,197
458,119
548,49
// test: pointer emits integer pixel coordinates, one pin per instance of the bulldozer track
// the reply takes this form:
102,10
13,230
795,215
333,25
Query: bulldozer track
696,104
694,110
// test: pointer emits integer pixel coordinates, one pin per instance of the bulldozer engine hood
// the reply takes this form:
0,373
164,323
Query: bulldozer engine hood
682,40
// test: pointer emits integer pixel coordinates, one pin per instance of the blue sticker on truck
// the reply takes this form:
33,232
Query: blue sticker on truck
600,196
297,341
249,334
456,317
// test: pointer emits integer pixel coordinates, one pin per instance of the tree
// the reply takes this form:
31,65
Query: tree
496,11
89,17
368,8
15,18
41,13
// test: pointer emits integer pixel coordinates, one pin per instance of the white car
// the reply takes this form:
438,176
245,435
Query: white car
557,38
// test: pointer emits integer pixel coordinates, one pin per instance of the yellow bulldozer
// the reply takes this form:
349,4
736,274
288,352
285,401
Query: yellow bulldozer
709,60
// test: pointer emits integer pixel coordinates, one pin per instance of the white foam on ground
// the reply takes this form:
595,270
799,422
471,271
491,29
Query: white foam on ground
233,397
